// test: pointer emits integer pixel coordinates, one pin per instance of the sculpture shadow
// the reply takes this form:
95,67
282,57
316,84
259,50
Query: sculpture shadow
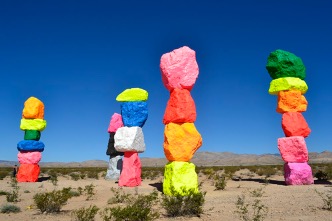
158,186
322,182
44,178
263,181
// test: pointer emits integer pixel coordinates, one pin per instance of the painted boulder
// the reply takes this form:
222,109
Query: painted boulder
298,174
32,135
33,124
180,107
287,83
179,68
181,141
30,145
133,94
115,123
33,108
294,124
131,170
129,139
282,63
291,101
293,149
134,113
114,168
111,151
28,173
29,157
180,178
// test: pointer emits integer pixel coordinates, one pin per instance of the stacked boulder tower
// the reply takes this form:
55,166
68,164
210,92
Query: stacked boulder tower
32,123
179,71
115,162
129,138
288,74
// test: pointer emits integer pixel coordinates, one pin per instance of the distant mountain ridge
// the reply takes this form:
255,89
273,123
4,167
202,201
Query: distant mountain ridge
199,159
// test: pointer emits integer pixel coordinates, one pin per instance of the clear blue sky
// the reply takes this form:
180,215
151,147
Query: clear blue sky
77,56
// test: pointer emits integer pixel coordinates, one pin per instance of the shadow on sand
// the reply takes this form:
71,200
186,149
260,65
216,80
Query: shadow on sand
281,183
158,186
42,179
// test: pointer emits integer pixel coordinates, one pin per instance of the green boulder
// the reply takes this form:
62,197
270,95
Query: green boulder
133,94
285,64
287,83
32,135
180,178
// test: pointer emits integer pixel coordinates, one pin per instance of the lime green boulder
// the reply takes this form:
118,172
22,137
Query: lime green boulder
287,83
180,178
33,124
285,64
133,94
32,135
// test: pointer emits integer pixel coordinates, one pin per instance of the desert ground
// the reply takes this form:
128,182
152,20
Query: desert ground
293,203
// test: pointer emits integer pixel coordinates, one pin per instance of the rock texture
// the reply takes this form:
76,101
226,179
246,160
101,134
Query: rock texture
131,170
179,177
134,114
179,68
133,94
28,173
29,157
33,109
294,124
291,101
129,139
282,63
287,83
115,123
180,107
114,168
30,145
293,149
33,124
298,174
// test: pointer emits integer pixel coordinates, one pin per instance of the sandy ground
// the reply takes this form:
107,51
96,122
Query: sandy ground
296,203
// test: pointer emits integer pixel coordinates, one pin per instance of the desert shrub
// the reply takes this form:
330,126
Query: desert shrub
267,171
251,210
230,170
209,172
136,208
85,214
89,191
8,208
259,192
53,177
327,199
92,174
189,204
52,202
3,193
119,196
220,182
13,196
75,176
26,191
150,174
3,174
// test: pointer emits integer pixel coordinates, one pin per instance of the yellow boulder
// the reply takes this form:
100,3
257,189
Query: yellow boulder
33,124
287,83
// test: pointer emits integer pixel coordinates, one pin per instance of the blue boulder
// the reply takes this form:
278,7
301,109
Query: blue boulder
134,113
30,145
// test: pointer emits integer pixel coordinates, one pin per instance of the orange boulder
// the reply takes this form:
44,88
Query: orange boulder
33,108
28,173
291,101
294,124
180,107
181,141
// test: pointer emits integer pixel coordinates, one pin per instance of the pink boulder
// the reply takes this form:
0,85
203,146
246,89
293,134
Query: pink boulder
179,68
293,149
115,123
180,107
29,157
131,170
298,174
294,124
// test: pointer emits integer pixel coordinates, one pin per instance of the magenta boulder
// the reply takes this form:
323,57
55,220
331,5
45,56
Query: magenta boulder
298,174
